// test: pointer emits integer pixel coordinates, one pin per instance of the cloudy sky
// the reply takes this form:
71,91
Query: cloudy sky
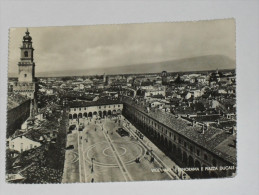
87,47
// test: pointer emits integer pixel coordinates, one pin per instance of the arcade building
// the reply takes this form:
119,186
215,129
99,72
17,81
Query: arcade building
208,151
95,109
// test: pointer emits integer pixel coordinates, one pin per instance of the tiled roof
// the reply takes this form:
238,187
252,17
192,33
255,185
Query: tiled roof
99,102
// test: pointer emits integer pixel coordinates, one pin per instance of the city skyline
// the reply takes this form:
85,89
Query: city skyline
105,47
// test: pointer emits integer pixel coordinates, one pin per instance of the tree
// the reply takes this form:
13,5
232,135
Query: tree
178,80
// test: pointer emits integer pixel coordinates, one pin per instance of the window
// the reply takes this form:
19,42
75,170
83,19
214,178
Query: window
185,144
80,109
26,54
100,107
214,162
198,152
174,137
119,105
191,148
25,75
179,141
205,157
114,106
74,109
85,108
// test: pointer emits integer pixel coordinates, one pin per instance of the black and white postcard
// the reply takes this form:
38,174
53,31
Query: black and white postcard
122,103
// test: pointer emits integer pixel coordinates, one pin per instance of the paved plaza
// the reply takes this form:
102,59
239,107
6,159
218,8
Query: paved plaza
101,154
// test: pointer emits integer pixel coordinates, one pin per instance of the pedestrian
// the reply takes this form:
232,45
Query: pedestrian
92,180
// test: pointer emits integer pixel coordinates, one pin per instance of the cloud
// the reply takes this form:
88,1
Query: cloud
86,47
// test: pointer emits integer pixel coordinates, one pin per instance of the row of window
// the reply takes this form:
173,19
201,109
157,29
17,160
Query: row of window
27,45
158,126
198,152
31,146
100,107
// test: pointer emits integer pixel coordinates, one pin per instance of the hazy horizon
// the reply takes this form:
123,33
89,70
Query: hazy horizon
114,70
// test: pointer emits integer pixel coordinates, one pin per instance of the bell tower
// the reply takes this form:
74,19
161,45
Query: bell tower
164,78
26,84
26,64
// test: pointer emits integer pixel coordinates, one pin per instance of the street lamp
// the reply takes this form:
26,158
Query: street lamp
92,169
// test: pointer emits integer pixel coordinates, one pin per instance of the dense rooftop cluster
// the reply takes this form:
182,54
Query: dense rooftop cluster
174,99
43,164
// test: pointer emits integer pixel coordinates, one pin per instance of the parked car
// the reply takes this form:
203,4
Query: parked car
122,132
70,147
72,127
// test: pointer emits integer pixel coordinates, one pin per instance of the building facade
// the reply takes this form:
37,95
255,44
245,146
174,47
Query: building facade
187,151
95,109
22,144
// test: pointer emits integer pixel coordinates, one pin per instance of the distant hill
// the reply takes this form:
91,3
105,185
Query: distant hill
210,62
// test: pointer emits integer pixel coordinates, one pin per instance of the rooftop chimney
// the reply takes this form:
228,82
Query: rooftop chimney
203,129
232,130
